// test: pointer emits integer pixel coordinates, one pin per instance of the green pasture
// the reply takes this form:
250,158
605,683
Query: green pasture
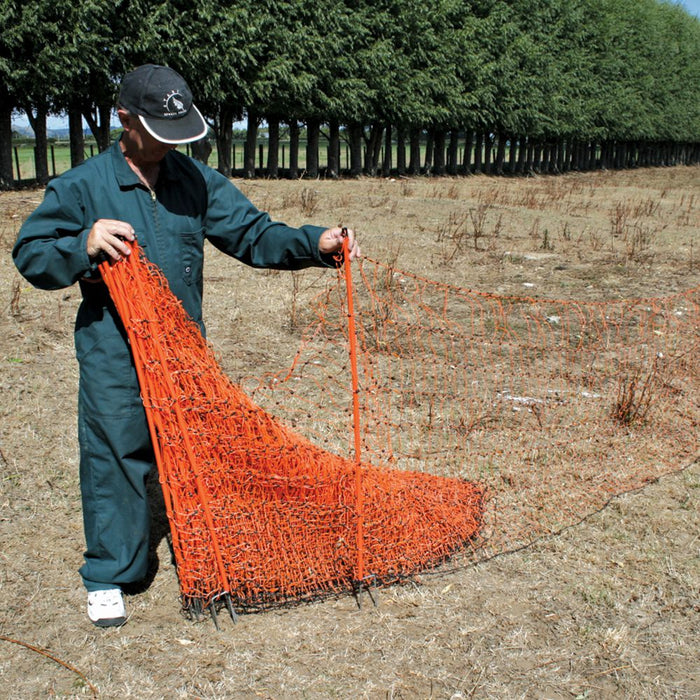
23,165
59,158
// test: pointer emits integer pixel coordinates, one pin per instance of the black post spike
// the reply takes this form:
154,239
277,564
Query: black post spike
357,592
371,595
229,605
364,584
214,617
195,609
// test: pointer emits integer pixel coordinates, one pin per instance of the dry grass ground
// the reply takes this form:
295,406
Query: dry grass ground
609,608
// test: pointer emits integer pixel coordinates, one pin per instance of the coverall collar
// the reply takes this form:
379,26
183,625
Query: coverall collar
126,177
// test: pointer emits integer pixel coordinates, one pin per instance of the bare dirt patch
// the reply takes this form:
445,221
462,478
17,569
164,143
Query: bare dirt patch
608,608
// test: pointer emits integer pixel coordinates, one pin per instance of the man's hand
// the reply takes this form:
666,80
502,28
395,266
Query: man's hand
107,237
331,241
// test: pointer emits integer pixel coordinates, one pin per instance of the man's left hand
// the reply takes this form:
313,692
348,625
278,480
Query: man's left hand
331,241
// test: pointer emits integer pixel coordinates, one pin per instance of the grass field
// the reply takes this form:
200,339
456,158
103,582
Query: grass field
607,608
59,157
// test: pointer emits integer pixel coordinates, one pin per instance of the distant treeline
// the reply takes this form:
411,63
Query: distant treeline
438,86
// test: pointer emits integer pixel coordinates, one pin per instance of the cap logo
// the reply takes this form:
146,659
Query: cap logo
173,105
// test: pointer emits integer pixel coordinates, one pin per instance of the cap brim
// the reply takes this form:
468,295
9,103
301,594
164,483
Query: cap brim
191,127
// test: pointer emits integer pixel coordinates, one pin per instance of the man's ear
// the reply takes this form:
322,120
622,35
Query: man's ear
124,118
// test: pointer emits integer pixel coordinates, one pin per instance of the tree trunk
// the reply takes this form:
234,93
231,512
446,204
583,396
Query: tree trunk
356,150
546,162
488,146
273,147
387,162
621,155
251,142
560,156
581,156
224,140
41,146
429,150
522,155
414,162
529,164
373,146
452,153
77,138
478,146
333,170
537,157
468,147
99,124
401,151
104,132
592,160
512,153
293,149
500,153
439,152
376,150
7,179
313,130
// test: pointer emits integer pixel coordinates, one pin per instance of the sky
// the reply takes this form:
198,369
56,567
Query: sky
692,6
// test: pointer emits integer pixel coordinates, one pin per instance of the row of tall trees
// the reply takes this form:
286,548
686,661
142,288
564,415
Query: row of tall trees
525,84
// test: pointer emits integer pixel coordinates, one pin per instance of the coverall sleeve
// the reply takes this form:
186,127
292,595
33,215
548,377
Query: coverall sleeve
236,227
51,249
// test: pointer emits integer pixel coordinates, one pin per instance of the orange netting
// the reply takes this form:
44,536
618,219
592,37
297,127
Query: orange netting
555,406
550,406
260,515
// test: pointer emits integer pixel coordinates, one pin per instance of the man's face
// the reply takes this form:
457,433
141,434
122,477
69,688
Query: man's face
141,147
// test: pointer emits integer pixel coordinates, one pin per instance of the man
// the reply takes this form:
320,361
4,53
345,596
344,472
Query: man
140,187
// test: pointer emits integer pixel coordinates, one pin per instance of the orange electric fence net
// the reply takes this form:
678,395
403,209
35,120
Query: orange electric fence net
259,515
555,406
549,407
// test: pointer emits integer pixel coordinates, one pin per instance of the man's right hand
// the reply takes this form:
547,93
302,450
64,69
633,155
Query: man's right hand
107,238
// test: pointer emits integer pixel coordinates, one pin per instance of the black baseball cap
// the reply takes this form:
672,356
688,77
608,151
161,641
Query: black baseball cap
163,101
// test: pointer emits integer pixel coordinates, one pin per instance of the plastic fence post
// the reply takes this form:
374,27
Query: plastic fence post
359,535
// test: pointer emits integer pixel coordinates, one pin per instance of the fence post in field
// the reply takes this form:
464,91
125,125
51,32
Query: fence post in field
19,176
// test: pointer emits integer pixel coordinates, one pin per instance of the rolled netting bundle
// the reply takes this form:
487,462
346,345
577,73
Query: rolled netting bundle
259,515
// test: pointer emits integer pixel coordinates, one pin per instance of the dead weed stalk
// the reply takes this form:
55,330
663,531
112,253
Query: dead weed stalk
309,201
14,299
635,394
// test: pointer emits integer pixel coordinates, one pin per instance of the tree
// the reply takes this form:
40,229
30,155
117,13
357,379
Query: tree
310,80
9,79
37,53
218,60
532,84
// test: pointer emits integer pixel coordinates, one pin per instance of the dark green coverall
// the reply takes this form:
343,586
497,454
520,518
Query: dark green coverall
191,202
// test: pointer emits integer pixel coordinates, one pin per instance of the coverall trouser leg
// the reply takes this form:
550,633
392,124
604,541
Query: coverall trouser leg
115,461
116,455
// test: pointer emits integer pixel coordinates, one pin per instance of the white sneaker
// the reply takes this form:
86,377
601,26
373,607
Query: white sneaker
106,608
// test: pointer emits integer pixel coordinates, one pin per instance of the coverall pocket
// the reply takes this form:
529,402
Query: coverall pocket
108,381
191,256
